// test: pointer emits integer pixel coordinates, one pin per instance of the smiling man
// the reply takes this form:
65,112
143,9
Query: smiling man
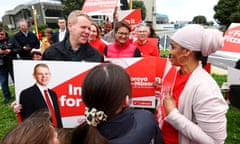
39,96
75,46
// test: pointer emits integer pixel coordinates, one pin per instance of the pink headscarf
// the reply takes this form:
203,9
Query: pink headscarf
195,38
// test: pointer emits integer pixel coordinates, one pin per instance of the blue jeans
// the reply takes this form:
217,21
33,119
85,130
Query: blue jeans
4,70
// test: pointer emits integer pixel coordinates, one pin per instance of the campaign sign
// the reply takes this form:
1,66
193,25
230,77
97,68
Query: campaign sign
66,80
232,39
146,76
99,7
133,17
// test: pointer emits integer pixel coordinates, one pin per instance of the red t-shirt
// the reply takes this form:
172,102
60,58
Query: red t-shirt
99,45
170,134
148,49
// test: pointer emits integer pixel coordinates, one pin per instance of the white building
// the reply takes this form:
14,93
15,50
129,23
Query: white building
47,12
150,10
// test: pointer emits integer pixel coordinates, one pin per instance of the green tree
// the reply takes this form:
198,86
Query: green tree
70,5
227,11
140,4
235,17
199,20
210,23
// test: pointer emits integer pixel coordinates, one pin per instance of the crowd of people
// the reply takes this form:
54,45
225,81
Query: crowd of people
192,110
74,41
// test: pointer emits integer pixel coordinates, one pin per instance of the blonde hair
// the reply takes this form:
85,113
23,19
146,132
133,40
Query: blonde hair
72,17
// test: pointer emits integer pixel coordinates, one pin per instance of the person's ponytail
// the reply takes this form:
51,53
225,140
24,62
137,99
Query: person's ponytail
86,134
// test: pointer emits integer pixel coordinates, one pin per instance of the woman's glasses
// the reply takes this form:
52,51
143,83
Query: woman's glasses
123,33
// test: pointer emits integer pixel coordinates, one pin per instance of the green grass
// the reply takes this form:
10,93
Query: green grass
233,115
220,79
233,126
164,53
8,119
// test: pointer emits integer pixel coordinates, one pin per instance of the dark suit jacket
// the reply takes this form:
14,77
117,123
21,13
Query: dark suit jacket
31,40
32,101
56,36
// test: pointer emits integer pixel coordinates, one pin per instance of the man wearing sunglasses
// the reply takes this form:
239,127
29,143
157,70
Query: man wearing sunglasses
9,48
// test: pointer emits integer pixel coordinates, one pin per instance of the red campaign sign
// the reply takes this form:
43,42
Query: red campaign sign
69,96
147,75
232,39
99,7
168,82
143,75
133,17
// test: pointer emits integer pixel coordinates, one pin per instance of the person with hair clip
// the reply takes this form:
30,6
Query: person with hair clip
194,110
108,116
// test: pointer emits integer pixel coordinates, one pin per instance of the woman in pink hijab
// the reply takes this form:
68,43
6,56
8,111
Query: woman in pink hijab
194,108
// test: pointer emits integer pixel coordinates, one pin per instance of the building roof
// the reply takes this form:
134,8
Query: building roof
26,5
158,15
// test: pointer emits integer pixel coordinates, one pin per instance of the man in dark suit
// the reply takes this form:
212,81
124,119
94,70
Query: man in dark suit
26,39
62,32
34,98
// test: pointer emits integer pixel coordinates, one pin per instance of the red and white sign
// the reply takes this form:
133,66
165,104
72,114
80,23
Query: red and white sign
66,80
232,38
146,73
168,82
133,17
99,7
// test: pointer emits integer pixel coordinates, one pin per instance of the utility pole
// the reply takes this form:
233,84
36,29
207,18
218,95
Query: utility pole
35,20
130,4
154,13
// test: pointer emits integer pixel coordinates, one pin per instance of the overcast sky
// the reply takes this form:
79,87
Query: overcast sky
177,10
186,9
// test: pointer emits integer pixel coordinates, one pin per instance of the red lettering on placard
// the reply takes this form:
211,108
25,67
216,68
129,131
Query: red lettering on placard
142,102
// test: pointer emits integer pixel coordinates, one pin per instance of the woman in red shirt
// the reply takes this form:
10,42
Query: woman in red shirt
94,38
146,46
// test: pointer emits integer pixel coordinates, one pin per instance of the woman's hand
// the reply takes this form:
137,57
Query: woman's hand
169,102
